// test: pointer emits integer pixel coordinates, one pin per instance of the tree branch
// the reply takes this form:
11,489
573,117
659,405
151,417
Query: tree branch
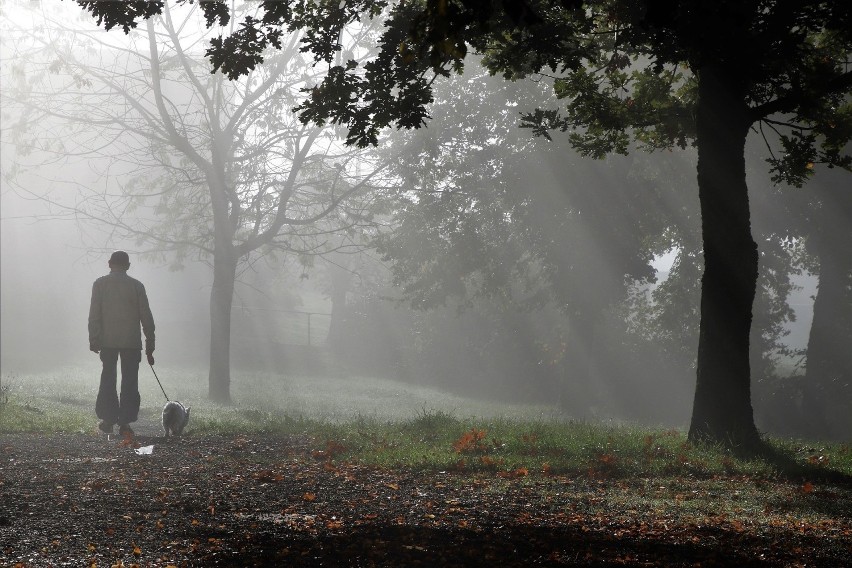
789,103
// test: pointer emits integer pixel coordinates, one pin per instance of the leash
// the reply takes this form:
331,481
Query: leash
159,383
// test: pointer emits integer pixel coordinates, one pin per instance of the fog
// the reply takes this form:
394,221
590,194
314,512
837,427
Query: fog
579,312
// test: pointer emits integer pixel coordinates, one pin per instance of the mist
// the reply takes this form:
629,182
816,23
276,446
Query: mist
554,280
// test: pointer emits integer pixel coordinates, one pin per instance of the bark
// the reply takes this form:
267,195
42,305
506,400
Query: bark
340,278
221,300
829,363
578,391
722,411
225,259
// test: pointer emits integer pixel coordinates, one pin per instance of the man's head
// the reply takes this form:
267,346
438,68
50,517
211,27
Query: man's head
119,259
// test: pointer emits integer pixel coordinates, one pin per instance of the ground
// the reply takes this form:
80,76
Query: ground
85,500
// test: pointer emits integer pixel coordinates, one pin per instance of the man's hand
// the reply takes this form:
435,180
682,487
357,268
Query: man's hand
150,356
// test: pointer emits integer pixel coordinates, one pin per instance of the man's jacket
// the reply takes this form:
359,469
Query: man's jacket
119,306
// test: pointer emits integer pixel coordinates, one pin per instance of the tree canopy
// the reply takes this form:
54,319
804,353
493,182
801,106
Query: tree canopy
620,64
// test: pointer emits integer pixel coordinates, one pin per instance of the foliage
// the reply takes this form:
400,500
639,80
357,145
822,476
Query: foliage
620,64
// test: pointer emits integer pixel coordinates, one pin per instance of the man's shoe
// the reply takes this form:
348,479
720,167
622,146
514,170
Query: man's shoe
125,430
105,427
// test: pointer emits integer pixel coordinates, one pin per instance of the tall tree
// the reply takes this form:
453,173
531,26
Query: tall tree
666,72
187,163
826,231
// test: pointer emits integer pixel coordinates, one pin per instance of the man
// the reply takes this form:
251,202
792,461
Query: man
119,305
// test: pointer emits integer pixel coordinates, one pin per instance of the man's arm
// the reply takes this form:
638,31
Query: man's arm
147,319
95,325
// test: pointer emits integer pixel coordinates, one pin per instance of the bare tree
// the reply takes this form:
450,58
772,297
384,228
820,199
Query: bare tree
186,162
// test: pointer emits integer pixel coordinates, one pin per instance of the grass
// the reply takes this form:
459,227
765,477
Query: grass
388,424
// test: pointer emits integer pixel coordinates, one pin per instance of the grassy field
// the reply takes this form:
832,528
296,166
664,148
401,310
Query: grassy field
390,424
63,400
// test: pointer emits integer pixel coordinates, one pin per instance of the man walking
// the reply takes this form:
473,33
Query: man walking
119,305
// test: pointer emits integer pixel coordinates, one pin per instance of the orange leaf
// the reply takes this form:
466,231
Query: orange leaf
514,474
607,459
470,441
268,476
808,487
309,497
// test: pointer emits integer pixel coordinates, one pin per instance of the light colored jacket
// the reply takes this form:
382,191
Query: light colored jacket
119,305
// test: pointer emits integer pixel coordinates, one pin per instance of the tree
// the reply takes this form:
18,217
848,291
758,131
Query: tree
825,230
489,214
188,163
664,72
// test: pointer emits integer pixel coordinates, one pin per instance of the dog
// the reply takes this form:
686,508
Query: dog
175,418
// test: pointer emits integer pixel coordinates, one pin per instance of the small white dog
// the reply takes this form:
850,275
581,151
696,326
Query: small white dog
175,418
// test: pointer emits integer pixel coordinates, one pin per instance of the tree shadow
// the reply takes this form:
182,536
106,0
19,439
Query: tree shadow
792,469
508,545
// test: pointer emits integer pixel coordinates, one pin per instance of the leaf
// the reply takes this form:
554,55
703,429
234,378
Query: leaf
470,442
332,449
309,497
808,488
268,476
514,474
607,459
818,460
333,524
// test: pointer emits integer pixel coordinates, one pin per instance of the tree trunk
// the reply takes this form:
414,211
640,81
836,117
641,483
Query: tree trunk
722,411
577,391
222,295
828,373
221,299
340,278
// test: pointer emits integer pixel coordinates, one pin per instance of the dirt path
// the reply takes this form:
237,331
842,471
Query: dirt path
83,500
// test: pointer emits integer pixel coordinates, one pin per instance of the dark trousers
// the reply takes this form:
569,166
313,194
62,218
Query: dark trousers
109,407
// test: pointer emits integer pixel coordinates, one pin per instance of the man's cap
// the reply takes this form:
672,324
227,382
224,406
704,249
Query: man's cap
119,258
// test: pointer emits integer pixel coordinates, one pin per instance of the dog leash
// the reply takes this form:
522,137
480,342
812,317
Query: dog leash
159,383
